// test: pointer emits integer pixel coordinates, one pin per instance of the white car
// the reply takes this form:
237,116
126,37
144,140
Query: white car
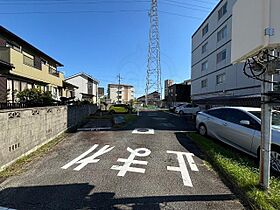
188,109
240,127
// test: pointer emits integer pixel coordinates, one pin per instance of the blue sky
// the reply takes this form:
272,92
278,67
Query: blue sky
106,37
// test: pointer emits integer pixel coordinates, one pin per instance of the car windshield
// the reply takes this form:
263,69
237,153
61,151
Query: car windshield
275,117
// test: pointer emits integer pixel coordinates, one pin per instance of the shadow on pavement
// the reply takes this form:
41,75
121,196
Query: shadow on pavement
77,196
189,145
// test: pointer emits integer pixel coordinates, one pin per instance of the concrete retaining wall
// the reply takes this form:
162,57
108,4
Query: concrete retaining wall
24,130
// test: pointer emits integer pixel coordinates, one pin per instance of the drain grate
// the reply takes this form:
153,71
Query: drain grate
142,129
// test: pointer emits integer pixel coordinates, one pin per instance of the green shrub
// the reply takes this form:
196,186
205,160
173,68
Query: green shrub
33,97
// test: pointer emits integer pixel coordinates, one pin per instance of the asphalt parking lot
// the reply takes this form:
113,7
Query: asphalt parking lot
154,167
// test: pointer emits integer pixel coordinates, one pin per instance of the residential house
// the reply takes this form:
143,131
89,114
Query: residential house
120,93
87,87
215,80
24,66
101,92
153,98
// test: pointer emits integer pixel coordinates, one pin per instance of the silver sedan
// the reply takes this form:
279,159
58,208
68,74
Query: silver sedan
240,127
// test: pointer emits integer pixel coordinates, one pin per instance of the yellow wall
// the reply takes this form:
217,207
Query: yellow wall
16,58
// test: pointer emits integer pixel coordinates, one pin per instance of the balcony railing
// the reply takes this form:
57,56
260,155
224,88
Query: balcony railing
28,61
5,54
53,72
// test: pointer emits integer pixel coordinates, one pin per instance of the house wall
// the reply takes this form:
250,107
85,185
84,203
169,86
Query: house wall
24,130
16,58
81,83
84,86
235,83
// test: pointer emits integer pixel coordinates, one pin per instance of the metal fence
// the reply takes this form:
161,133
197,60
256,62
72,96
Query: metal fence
12,105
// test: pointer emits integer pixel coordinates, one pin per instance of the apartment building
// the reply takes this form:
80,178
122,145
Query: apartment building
24,66
179,93
215,81
87,87
167,84
120,93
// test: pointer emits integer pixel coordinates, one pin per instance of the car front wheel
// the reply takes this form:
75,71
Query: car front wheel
202,130
275,159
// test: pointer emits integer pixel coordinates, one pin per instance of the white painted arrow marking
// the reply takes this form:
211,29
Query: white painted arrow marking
183,167
88,160
140,152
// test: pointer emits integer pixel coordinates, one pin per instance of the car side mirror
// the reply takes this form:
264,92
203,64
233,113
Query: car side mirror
245,122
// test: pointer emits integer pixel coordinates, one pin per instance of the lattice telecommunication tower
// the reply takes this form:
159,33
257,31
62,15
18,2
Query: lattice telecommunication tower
153,77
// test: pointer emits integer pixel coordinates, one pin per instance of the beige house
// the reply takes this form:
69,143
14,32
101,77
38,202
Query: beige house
120,93
24,66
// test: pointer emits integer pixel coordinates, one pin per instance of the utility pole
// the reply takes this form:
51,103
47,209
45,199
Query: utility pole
153,76
266,119
119,87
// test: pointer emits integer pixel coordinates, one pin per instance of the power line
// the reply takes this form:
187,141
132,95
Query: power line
70,2
71,12
187,7
170,2
95,11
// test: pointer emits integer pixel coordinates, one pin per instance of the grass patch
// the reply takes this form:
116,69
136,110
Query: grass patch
242,172
21,164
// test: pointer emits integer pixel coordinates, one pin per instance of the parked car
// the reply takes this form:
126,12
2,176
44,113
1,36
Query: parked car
120,108
188,109
172,108
240,127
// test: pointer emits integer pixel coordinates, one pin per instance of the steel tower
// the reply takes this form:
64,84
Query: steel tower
153,77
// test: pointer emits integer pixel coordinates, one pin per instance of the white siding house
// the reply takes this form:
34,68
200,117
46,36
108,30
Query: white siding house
87,87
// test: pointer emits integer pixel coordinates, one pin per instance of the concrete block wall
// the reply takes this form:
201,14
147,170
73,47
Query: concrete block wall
24,130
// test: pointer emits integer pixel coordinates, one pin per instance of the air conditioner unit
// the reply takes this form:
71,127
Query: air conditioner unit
255,26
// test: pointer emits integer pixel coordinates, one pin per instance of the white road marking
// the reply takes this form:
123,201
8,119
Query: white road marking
150,131
177,115
91,159
140,152
95,129
183,167
5,208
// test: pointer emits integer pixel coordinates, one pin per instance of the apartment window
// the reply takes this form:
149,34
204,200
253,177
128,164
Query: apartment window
28,59
204,47
205,30
221,56
204,66
222,34
220,79
222,11
204,83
